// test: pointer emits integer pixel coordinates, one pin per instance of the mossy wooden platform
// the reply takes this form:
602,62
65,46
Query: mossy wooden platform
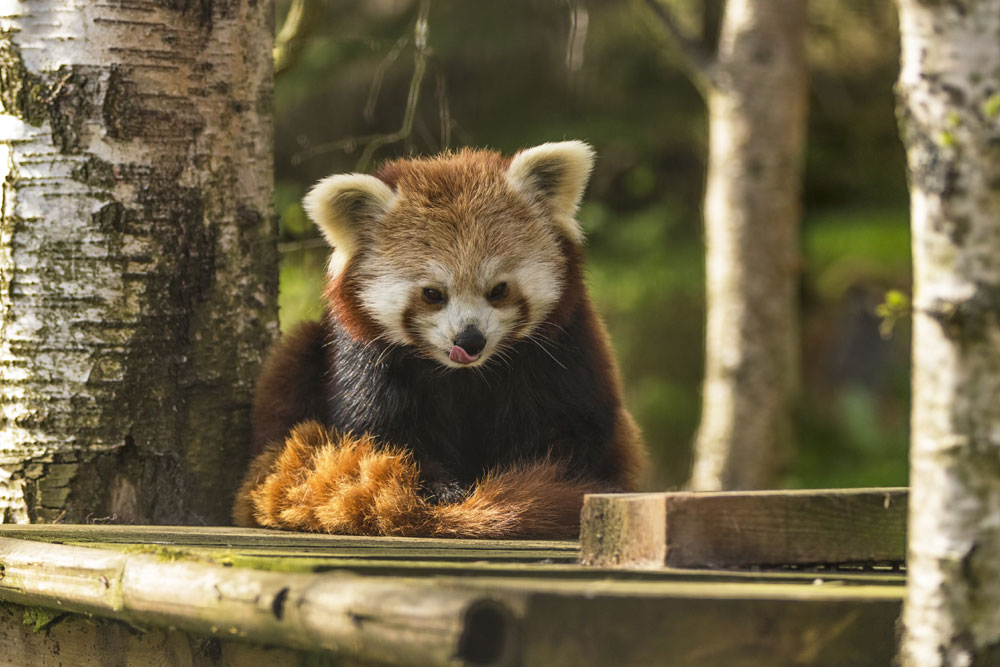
175,596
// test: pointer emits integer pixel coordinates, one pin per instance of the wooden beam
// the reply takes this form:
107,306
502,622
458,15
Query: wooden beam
559,627
744,528
397,621
708,631
465,615
230,536
407,557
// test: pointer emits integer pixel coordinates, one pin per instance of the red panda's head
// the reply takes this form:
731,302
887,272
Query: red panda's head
455,255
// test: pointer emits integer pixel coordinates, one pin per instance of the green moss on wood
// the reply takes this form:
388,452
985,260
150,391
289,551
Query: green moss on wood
41,618
163,553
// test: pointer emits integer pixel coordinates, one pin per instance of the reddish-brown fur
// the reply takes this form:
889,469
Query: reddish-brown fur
324,482
285,393
311,474
344,304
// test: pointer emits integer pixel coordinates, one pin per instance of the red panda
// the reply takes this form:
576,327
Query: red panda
461,383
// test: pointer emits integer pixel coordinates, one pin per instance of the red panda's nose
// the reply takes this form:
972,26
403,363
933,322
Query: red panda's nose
471,340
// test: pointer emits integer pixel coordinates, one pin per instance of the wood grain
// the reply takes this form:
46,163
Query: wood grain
745,528
217,590
394,620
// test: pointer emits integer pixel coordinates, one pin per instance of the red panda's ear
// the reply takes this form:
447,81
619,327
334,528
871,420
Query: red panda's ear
341,205
555,173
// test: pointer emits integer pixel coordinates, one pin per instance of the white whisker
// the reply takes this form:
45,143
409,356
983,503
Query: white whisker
545,350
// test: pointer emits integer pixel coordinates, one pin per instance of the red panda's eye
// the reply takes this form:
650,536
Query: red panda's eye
432,295
498,292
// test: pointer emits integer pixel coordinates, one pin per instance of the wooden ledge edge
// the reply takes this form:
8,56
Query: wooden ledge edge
399,621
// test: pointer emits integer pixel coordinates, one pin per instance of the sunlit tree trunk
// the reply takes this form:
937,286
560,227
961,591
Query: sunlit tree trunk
137,258
949,111
757,104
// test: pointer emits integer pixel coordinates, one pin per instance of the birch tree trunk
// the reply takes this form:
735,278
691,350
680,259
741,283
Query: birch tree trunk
137,254
949,111
757,105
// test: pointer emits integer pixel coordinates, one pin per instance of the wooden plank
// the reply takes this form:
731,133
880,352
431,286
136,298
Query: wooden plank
395,548
556,629
400,621
279,551
709,632
230,536
286,560
565,625
102,581
744,528
635,619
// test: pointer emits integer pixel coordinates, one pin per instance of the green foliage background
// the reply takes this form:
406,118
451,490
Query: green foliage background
510,74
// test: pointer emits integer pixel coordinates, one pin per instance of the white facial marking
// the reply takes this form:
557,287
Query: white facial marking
541,285
386,299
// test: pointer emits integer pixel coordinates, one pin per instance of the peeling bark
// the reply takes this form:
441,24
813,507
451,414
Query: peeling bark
757,102
949,114
137,255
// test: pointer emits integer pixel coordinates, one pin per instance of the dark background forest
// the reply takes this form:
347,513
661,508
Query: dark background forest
521,72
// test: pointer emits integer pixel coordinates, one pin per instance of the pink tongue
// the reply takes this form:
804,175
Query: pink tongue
460,356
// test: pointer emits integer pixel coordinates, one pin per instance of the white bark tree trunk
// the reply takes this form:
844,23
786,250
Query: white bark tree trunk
949,111
137,259
757,103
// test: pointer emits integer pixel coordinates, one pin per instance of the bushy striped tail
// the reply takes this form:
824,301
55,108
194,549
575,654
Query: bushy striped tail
334,483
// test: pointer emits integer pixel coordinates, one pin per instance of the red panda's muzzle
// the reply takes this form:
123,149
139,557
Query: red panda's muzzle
468,344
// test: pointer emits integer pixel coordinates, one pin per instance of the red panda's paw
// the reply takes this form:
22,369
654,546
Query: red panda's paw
335,483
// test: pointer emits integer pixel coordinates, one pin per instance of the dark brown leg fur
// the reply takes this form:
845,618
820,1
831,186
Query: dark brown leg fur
324,482
290,389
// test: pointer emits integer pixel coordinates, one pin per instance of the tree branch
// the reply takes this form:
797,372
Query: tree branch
579,19
695,57
376,88
302,16
373,142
